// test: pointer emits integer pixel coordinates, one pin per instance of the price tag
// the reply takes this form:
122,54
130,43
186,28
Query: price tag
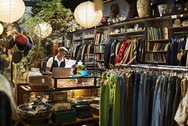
174,16
105,82
43,80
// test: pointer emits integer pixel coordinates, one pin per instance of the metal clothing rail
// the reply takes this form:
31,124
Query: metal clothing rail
156,67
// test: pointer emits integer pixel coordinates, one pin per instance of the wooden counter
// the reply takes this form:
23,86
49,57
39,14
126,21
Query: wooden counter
94,120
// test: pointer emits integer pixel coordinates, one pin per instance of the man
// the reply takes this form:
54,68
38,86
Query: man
57,61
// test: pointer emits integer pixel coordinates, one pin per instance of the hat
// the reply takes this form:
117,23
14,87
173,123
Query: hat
26,51
21,41
17,56
10,42
62,48
30,44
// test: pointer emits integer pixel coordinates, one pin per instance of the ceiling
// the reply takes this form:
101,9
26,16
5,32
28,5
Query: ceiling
72,4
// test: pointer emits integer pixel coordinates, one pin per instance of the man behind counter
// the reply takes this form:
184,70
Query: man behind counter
57,61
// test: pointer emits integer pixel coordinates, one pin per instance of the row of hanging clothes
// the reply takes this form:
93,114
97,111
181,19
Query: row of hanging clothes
123,51
178,51
140,96
79,50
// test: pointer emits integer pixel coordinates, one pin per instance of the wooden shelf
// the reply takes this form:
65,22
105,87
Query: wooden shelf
77,39
135,32
116,34
181,27
156,51
88,38
28,89
161,40
73,77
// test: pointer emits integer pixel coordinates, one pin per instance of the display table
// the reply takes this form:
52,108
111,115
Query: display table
93,120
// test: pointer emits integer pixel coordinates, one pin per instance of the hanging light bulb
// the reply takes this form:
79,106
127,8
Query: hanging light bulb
86,15
11,10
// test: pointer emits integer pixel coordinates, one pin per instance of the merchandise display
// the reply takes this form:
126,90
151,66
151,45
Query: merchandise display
61,83
124,65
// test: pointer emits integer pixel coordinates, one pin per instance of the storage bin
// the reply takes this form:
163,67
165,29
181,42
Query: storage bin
64,117
39,82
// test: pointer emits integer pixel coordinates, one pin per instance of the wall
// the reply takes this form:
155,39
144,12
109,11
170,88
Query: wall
123,7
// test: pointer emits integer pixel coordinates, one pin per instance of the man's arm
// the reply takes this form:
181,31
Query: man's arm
48,66
48,71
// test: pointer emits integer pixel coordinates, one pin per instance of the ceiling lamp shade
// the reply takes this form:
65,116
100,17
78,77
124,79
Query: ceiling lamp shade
86,15
11,10
1,28
43,30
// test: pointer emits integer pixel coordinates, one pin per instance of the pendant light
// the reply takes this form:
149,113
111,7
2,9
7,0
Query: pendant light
11,10
86,15
43,30
1,28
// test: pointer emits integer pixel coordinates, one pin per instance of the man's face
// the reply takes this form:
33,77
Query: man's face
62,53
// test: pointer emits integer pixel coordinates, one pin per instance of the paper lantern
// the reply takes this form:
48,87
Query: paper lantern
11,10
43,30
86,15
1,28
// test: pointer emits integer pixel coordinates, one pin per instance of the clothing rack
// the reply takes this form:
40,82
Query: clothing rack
157,67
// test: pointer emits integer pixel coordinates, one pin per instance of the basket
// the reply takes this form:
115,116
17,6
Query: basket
40,118
39,82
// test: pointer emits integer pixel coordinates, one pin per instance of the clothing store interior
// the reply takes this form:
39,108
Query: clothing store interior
93,62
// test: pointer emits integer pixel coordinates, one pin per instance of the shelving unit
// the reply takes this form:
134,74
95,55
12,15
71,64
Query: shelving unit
128,30
27,91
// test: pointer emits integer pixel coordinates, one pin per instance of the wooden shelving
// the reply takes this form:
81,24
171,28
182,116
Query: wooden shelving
161,40
88,38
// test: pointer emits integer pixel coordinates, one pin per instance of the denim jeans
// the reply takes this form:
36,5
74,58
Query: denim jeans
170,100
164,103
151,95
129,98
146,95
140,101
121,79
176,101
135,99
157,106
155,94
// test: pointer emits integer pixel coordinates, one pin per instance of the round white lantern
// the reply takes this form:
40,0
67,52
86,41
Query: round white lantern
86,15
11,10
1,28
43,30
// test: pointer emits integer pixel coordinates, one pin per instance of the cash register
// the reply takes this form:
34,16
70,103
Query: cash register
82,109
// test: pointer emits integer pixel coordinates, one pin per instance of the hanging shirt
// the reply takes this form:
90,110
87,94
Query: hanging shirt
109,99
121,51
